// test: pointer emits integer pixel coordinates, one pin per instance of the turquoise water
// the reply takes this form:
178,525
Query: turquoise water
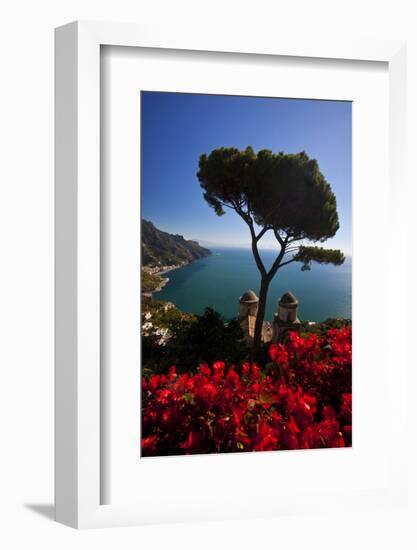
218,281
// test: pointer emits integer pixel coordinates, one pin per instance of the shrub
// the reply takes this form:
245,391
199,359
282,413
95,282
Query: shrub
194,340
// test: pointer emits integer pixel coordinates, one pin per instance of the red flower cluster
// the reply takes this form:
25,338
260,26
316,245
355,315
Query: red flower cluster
302,400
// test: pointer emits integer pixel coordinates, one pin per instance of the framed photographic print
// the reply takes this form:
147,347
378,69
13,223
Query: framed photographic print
229,370
219,311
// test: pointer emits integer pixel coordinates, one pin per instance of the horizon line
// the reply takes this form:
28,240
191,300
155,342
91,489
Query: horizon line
207,243
244,246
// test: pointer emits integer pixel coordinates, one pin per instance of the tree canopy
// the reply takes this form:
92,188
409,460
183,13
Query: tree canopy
282,191
285,193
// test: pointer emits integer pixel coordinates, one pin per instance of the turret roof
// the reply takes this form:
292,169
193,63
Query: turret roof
249,296
288,298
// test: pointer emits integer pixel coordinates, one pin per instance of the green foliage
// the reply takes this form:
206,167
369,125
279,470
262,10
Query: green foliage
149,282
225,176
194,340
165,315
286,192
163,249
209,339
308,254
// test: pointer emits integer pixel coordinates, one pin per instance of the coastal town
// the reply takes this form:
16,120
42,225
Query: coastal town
153,279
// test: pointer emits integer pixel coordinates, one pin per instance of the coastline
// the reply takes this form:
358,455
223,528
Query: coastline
159,272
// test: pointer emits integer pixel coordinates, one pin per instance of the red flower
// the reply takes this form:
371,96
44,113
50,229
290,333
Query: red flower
207,392
193,441
267,438
148,443
328,413
279,354
154,381
303,412
245,369
232,376
218,368
163,396
346,408
256,372
204,370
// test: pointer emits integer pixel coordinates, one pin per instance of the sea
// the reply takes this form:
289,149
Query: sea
218,281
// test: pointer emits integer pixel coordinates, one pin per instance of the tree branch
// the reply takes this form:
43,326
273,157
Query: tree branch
292,249
262,232
226,205
255,252
286,263
279,238
248,220
277,263
245,216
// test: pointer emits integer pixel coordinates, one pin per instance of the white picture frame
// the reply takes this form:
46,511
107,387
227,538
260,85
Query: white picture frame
78,405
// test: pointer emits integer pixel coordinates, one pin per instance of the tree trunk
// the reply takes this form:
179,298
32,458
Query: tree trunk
263,292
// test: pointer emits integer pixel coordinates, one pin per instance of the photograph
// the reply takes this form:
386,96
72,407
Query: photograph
245,274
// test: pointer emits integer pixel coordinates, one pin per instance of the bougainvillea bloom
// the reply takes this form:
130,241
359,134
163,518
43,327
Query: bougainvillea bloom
303,400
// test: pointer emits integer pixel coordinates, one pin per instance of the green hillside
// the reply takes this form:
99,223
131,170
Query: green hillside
163,249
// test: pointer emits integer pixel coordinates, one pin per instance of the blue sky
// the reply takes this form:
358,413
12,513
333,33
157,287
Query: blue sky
177,128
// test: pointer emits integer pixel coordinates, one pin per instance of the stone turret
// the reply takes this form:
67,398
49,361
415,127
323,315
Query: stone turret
248,310
248,304
286,318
